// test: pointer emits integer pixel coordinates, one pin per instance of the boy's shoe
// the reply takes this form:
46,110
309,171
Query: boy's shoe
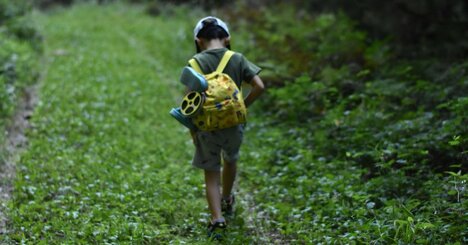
216,230
193,80
227,205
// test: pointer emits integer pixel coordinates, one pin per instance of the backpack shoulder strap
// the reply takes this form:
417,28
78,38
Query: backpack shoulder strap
194,64
222,64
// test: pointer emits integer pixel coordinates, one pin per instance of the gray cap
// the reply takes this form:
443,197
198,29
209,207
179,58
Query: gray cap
218,22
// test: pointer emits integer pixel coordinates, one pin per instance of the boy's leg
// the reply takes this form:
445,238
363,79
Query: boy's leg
229,176
230,155
213,195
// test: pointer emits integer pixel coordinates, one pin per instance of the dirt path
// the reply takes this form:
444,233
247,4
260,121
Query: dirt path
16,142
259,223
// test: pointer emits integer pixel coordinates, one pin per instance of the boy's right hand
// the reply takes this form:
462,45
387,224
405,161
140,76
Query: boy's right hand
257,89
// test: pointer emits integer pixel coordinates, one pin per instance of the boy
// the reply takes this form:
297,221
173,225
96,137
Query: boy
212,40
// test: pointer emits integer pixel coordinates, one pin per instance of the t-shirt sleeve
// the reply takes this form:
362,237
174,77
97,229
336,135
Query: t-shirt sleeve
248,69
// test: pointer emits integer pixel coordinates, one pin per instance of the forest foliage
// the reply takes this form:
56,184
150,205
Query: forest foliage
362,134
384,95
342,80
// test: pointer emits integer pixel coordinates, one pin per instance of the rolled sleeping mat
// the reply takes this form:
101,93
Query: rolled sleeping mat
193,80
187,122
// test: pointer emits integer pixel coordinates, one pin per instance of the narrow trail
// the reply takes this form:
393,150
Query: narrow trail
259,224
105,162
15,143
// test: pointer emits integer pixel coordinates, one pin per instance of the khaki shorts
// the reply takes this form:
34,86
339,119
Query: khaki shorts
211,146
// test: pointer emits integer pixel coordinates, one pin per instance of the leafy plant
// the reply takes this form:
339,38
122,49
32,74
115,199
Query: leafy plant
18,59
349,146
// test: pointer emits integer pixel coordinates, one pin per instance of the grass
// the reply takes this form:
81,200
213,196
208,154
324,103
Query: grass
106,163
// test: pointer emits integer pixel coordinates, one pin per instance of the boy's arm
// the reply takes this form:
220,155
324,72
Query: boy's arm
257,89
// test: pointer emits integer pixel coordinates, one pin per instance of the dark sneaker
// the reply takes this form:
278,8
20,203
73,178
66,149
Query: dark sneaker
227,205
193,80
216,230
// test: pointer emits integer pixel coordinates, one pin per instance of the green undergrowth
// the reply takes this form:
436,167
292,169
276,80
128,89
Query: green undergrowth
307,196
20,49
106,164
349,146
352,143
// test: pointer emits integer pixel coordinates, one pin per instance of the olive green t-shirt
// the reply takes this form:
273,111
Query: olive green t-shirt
238,67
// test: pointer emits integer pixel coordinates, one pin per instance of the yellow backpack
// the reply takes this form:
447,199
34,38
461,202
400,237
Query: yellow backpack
224,104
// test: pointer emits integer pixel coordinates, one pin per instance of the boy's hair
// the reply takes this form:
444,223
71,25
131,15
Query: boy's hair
211,28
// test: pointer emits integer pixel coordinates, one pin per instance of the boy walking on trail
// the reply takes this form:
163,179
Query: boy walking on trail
212,41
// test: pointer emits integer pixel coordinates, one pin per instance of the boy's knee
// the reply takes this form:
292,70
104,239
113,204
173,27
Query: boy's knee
230,159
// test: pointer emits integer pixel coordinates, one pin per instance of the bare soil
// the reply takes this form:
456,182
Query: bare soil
259,223
16,141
